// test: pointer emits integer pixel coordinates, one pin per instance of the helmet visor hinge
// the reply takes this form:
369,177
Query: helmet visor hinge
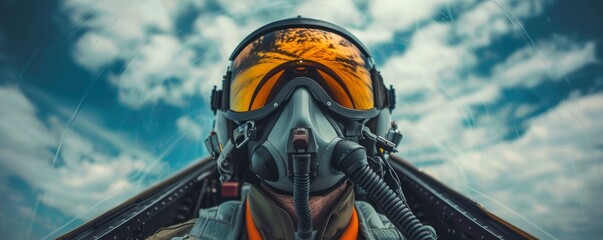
391,98
216,99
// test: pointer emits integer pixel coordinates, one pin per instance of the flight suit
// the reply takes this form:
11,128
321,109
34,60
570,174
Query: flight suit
228,221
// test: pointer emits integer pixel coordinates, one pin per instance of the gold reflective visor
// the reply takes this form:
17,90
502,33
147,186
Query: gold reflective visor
343,70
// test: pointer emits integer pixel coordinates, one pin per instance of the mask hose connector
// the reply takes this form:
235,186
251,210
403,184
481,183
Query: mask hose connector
350,158
301,184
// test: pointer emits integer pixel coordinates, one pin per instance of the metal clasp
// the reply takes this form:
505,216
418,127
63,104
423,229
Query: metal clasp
244,133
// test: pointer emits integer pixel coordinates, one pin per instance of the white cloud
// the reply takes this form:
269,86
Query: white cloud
191,128
524,110
95,51
128,23
248,8
139,33
222,33
85,179
479,26
160,67
431,67
387,17
397,15
491,19
434,76
345,13
177,8
551,59
160,71
438,92
438,66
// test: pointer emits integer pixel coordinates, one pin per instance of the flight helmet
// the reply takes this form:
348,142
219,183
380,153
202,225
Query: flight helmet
291,82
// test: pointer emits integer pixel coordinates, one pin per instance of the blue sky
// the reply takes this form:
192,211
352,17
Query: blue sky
502,100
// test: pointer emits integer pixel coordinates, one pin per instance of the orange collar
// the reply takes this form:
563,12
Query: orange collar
252,231
351,232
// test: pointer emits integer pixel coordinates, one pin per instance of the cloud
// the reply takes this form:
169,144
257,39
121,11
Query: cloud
14,209
162,70
141,34
551,59
128,24
440,57
557,159
402,15
191,128
489,20
178,8
95,51
437,86
346,13
385,18
132,32
160,65
85,178
439,89
436,72
438,105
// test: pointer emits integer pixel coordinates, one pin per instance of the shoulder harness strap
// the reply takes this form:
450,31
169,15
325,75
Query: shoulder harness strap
221,222
374,225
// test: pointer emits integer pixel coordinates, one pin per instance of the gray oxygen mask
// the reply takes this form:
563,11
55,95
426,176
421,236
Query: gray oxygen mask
302,129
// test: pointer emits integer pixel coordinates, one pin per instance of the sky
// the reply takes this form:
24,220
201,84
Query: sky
502,100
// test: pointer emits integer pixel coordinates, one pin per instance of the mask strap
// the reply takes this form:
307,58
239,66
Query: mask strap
262,126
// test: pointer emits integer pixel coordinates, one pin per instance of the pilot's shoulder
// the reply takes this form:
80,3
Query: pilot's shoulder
371,217
173,231
374,225
378,225
222,215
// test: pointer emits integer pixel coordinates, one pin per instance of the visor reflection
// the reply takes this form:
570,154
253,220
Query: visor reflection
330,50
